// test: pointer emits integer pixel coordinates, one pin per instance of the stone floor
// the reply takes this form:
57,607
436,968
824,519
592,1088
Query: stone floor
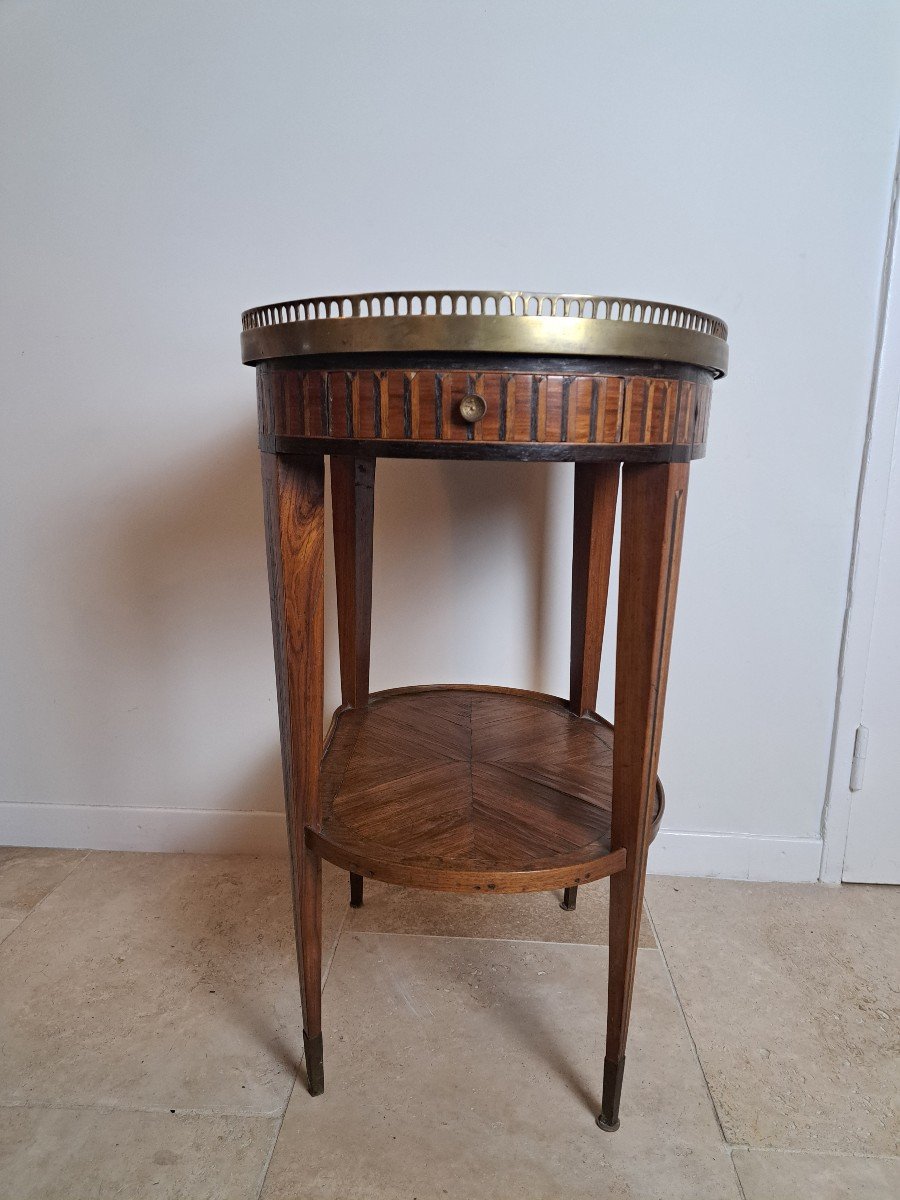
150,1040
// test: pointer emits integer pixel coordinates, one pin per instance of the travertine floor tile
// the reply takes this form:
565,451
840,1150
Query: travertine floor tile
780,1175
791,993
158,981
76,1154
7,925
461,1069
533,916
27,875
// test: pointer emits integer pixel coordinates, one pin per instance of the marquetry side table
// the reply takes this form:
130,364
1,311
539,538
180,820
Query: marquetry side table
477,789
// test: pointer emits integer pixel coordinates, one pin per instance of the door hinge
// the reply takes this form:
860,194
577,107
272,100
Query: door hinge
858,766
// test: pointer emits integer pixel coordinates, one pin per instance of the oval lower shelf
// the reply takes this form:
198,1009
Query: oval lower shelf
469,789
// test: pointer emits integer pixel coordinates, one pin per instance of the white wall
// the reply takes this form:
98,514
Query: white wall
166,165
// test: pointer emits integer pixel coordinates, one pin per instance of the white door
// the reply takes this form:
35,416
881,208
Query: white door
872,854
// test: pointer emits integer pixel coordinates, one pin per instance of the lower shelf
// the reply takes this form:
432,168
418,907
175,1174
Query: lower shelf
469,789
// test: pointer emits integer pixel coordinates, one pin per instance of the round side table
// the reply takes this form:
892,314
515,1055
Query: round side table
477,789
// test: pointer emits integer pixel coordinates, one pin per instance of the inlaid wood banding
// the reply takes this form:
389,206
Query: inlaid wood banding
659,417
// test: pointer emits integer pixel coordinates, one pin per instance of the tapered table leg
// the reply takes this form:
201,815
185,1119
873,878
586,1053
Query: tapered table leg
293,494
353,514
596,492
353,511
653,503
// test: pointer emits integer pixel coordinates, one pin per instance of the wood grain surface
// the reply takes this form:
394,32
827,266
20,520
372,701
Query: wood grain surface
469,790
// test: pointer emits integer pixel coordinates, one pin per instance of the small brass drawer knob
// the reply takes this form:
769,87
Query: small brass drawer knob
472,408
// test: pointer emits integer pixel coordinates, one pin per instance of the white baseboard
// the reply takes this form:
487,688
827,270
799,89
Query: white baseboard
174,830
204,831
736,856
